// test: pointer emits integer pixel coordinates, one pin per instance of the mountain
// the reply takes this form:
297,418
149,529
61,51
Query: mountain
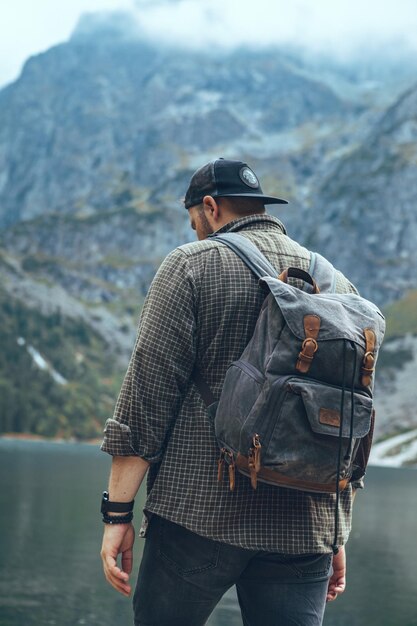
57,376
368,201
103,120
98,139
100,135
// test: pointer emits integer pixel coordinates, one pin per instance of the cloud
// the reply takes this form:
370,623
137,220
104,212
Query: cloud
339,26
153,3
150,3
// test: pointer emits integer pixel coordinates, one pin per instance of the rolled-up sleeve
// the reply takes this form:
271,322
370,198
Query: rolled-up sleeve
160,366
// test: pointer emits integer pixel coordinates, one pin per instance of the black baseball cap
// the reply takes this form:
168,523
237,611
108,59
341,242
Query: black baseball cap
223,178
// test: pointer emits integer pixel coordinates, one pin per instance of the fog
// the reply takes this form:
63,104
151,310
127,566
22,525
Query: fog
337,27
342,29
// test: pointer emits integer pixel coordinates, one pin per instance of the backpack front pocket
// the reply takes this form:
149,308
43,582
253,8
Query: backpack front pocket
311,422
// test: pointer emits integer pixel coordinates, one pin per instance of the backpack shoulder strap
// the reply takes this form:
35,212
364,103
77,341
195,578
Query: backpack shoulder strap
323,272
320,268
260,266
249,253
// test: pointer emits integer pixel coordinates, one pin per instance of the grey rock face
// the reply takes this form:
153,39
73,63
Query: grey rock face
98,115
100,135
368,204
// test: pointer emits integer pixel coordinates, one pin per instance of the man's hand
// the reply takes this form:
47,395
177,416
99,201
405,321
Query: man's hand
126,475
337,582
118,539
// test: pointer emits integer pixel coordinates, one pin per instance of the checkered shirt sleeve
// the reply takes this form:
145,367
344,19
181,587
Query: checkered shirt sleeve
160,367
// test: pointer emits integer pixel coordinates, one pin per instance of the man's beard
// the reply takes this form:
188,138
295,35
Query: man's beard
206,229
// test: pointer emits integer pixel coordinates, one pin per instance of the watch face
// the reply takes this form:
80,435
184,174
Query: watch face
104,501
108,506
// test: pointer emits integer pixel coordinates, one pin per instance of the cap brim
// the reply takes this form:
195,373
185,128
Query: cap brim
265,199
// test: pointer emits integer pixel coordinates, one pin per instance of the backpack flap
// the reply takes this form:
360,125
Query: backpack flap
344,316
322,404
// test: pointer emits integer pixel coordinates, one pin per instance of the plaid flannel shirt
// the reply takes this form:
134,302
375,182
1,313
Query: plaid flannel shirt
201,309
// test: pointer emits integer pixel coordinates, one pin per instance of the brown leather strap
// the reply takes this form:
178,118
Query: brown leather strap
368,363
297,272
310,346
275,478
232,474
252,470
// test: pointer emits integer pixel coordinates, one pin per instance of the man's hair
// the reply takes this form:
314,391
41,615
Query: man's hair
244,206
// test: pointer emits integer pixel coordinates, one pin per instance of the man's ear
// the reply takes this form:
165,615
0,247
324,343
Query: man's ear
211,208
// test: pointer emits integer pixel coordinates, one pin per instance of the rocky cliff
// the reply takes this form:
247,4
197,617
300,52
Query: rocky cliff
368,201
97,124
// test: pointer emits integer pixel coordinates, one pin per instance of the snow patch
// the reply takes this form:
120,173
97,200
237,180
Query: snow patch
396,451
42,363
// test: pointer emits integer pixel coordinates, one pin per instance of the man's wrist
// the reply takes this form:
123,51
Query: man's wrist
109,506
116,512
122,518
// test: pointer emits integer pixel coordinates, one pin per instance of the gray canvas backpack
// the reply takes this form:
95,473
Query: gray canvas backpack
294,408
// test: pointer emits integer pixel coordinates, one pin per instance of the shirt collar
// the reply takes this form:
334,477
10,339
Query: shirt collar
259,221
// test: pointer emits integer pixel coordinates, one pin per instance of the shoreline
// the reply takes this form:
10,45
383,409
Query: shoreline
376,459
40,439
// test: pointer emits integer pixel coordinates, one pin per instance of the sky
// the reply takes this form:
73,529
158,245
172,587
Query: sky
338,27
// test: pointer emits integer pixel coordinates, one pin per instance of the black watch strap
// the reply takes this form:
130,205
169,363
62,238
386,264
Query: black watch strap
115,507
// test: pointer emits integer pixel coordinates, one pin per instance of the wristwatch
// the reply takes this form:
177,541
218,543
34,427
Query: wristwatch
115,507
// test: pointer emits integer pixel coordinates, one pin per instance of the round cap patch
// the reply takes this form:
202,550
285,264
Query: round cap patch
249,177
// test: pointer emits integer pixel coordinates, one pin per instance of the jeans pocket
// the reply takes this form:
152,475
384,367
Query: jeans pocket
312,566
184,551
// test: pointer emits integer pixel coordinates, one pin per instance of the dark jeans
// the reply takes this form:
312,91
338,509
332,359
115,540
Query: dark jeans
183,576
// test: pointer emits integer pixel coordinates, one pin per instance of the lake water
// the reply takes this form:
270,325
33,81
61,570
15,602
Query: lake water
50,536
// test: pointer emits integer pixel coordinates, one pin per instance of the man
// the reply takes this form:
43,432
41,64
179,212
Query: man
201,538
